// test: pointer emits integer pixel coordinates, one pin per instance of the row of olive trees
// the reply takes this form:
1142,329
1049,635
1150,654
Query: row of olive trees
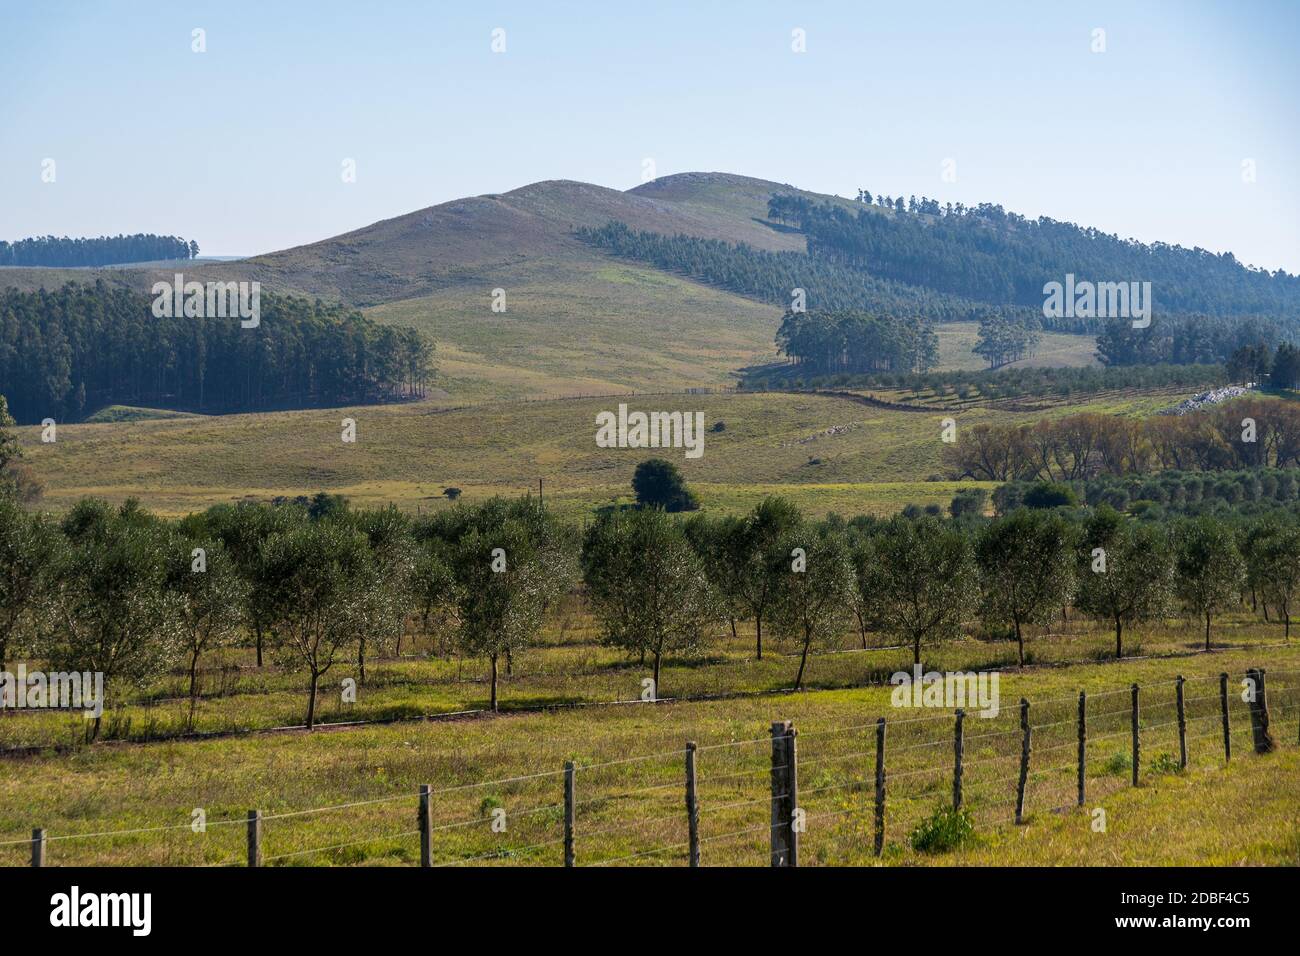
126,594
658,586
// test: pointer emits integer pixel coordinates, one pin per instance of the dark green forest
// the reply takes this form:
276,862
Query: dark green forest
67,353
827,343
772,276
987,254
104,251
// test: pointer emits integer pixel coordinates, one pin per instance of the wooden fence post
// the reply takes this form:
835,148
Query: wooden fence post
1182,725
254,837
1083,745
570,813
792,777
1264,742
692,805
880,785
426,827
1024,760
782,777
38,846
957,743
1223,705
1137,753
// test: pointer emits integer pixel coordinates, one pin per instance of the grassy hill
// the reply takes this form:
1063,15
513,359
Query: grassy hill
577,321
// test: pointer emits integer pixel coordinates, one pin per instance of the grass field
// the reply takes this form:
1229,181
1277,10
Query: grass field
353,791
1055,349
828,453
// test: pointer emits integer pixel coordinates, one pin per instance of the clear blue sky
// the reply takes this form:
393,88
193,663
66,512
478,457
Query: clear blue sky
241,147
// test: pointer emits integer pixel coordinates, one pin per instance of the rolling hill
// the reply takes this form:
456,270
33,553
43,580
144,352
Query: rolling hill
577,320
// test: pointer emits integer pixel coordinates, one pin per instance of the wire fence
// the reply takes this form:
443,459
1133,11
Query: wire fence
747,801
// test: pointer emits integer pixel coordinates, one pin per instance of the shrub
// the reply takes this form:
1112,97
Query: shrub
945,830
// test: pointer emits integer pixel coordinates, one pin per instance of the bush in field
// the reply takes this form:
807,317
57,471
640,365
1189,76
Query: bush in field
647,585
658,484
969,502
944,830
1050,494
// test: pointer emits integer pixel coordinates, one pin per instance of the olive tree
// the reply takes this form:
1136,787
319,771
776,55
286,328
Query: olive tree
813,593
1026,569
210,594
322,588
1125,571
114,616
1209,569
760,559
29,548
922,582
647,585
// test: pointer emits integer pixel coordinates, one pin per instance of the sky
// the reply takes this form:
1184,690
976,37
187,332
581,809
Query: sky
1183,130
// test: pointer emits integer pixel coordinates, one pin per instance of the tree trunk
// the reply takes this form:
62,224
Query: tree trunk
1020,645
1119,638
1207,630
758,636
803,661
494,684
194,688
657,658
311,701
398,652
259,645
733,627
916,649
510,663
361,658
